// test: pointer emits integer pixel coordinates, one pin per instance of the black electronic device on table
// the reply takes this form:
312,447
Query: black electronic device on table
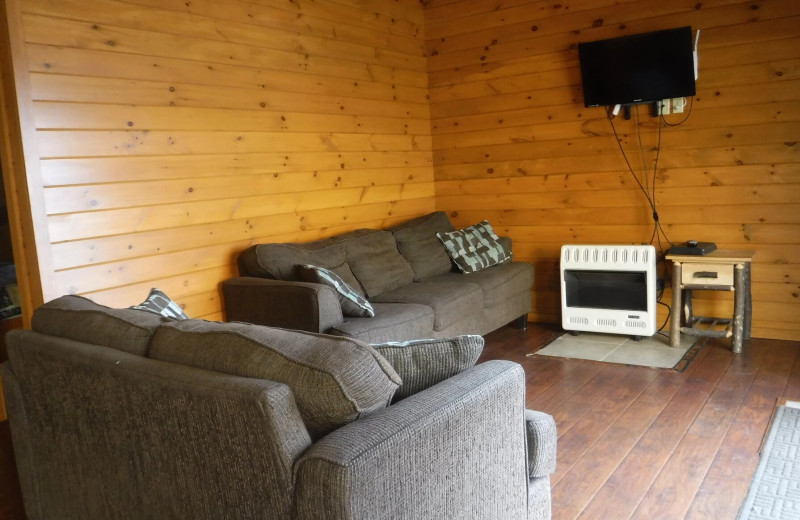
692,247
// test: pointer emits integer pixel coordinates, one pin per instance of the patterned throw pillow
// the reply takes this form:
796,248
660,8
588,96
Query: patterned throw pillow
353,304
474,248
422,363
160,303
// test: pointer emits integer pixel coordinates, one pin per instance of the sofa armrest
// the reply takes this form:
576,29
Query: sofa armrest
106,434
542,438
305,306
454,450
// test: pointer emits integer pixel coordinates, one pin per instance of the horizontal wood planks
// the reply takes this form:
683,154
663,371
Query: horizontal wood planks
637,442
513,143
172,134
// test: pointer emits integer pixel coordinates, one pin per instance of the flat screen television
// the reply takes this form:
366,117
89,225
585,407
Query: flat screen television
641,68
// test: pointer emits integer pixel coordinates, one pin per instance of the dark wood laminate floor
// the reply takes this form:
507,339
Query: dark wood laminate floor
642,443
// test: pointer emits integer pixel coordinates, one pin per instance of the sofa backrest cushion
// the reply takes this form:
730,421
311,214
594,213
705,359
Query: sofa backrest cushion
335,380
417,242
377,263
280,261
372,255
81,319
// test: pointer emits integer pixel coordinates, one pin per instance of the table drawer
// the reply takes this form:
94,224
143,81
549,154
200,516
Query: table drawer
707,274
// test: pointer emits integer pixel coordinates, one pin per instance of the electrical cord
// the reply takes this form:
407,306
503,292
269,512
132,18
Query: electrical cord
630,168
658,230
669,313
650,200
667,275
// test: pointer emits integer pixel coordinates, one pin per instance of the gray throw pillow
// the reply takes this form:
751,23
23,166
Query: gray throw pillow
353,304
422,363
346,274
474,248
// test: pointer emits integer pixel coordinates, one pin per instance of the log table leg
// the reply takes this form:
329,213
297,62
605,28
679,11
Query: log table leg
738,308
675,327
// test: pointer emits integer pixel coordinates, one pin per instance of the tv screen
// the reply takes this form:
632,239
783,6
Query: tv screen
641,68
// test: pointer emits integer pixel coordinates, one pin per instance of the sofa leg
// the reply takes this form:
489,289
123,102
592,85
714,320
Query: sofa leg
521,323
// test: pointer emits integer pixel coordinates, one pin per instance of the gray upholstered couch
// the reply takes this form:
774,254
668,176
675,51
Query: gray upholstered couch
404,272
122,414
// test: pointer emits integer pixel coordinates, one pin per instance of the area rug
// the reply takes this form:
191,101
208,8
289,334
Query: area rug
775,490
652,351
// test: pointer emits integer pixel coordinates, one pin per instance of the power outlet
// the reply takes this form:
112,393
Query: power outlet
663,107
678,104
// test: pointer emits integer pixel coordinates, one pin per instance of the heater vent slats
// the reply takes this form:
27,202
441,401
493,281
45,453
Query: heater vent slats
606,255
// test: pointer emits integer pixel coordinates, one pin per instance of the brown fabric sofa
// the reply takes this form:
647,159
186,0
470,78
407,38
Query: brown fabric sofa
122,414
405,273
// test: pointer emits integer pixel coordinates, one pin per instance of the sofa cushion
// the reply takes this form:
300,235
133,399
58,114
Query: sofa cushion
377,263
497,283
424,362
353,304
279,261
334,380
450,300
475,247
159,303
392,322
81,319
419,245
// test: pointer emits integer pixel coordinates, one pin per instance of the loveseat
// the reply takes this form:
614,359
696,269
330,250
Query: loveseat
405,273
123,414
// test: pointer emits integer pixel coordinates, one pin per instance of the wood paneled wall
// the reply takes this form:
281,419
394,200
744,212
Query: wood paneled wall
163,136
170,135
513,142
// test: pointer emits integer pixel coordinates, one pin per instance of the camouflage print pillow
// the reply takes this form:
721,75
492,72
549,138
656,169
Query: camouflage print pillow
159,303
353,304
474,248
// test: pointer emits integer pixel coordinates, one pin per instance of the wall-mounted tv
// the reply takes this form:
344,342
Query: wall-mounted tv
641,68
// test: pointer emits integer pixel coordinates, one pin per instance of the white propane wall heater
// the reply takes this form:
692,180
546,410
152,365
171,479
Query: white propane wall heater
609,288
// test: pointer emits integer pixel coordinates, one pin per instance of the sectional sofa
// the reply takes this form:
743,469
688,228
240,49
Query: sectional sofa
408,276
125,414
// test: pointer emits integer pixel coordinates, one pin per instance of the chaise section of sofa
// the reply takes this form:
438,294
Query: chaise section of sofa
139,417
404,272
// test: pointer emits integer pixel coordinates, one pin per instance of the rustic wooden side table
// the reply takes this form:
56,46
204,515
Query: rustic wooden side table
719,270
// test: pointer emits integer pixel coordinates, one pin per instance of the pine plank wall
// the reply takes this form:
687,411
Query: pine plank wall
172,134
513,143
168,135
